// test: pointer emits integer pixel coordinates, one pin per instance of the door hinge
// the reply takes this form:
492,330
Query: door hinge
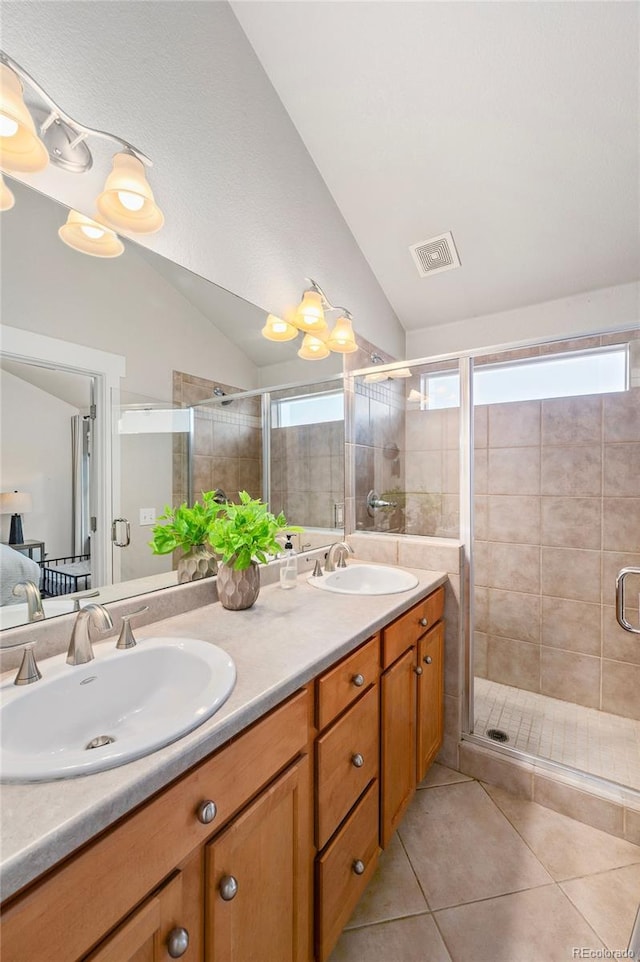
92,412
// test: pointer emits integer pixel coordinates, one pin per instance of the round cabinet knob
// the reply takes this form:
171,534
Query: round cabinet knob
177,942
424,622
427,659
358,867
357,760
358,680
418,670
228,888
207,811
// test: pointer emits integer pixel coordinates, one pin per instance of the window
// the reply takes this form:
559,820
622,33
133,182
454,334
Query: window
290,412
601,371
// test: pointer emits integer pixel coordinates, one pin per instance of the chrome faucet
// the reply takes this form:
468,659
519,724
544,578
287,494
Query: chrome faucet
30,591
80,647
341,549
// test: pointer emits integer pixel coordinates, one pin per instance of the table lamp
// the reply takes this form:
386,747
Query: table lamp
15,503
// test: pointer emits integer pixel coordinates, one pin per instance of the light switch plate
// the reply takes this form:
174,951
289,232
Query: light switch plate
147,516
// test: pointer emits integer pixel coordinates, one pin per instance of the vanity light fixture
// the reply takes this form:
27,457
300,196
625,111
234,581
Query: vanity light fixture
89,236
309,318
7,200
401,372
38,131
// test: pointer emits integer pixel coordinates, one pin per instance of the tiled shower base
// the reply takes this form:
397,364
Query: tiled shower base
593,741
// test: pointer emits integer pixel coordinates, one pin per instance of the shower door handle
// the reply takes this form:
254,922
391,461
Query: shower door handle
620,579
127,532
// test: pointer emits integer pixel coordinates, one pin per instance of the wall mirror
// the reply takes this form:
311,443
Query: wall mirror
164,336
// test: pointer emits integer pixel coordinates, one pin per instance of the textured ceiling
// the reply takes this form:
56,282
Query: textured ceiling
514,125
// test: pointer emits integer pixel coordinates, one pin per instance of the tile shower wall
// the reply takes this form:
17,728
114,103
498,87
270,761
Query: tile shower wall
432,453
227,445
557,499
307,472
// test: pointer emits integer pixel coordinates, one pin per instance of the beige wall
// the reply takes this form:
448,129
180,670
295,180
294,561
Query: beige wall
557,497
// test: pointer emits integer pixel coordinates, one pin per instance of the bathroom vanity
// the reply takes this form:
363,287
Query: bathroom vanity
253,837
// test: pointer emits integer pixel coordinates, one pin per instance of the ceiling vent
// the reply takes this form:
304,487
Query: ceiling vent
435,255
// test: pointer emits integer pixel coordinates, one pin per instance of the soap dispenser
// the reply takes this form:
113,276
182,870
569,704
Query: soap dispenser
289,566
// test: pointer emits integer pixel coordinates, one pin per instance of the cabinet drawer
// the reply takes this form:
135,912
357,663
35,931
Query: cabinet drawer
341,685
347,759
338,884
154,839
406,630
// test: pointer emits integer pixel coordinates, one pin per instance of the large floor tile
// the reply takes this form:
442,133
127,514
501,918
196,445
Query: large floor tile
609,902
540,925
415,939
566,848
463,848
393,892
441,775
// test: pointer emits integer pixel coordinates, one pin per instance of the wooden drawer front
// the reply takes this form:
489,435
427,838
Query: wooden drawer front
153,840
338,886
406,630
341,685
341,780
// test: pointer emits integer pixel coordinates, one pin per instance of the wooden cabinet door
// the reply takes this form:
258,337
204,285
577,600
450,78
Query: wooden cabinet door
258,875
398,741
149,933
430,697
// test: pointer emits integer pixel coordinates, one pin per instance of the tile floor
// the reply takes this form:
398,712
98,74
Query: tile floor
593,741
477,875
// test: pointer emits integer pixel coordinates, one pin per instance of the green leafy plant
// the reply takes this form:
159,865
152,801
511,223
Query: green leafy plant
185,527
244,532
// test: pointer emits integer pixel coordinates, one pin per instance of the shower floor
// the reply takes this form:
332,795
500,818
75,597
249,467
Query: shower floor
584,738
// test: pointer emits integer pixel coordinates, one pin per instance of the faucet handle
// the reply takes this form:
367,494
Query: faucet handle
126,639
80,596
28,671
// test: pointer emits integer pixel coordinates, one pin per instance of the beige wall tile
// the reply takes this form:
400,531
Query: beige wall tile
514,518
480,663
621,688
422,553
572,625
480,470
571,522
608,902
481,608
202,475
512,775
572,420
202,435
570,676
513,662
571,573
514,425
577,804
514,471
480,425
612,563
380,548
532,925
515,567
481,517
425,431
514,614
621,523
572,471
622,416
224,474
618,644
481,562
622,470
451,472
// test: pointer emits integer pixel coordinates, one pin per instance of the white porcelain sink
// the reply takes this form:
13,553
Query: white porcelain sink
142,698
357,579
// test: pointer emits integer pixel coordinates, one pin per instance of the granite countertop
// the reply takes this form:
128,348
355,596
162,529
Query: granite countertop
280,644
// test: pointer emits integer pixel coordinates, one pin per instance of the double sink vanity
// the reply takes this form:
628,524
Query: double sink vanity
253,835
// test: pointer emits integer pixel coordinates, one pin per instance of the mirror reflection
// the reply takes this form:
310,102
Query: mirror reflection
175,335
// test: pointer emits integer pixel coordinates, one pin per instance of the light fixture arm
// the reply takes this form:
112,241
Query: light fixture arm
56,113
325,300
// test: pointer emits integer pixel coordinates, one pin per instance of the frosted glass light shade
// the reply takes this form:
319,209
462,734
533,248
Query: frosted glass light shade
20,147
313,349
90,237
278,330
341,338
127,202
310,315
7,200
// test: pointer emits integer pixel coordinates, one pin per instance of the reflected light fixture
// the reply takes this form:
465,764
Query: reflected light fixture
276,329
401,372
7,200
309,318
15,503
89,236
36,131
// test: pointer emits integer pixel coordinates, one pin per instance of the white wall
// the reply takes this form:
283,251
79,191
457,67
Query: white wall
146,481
611,308
245,206
35,428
